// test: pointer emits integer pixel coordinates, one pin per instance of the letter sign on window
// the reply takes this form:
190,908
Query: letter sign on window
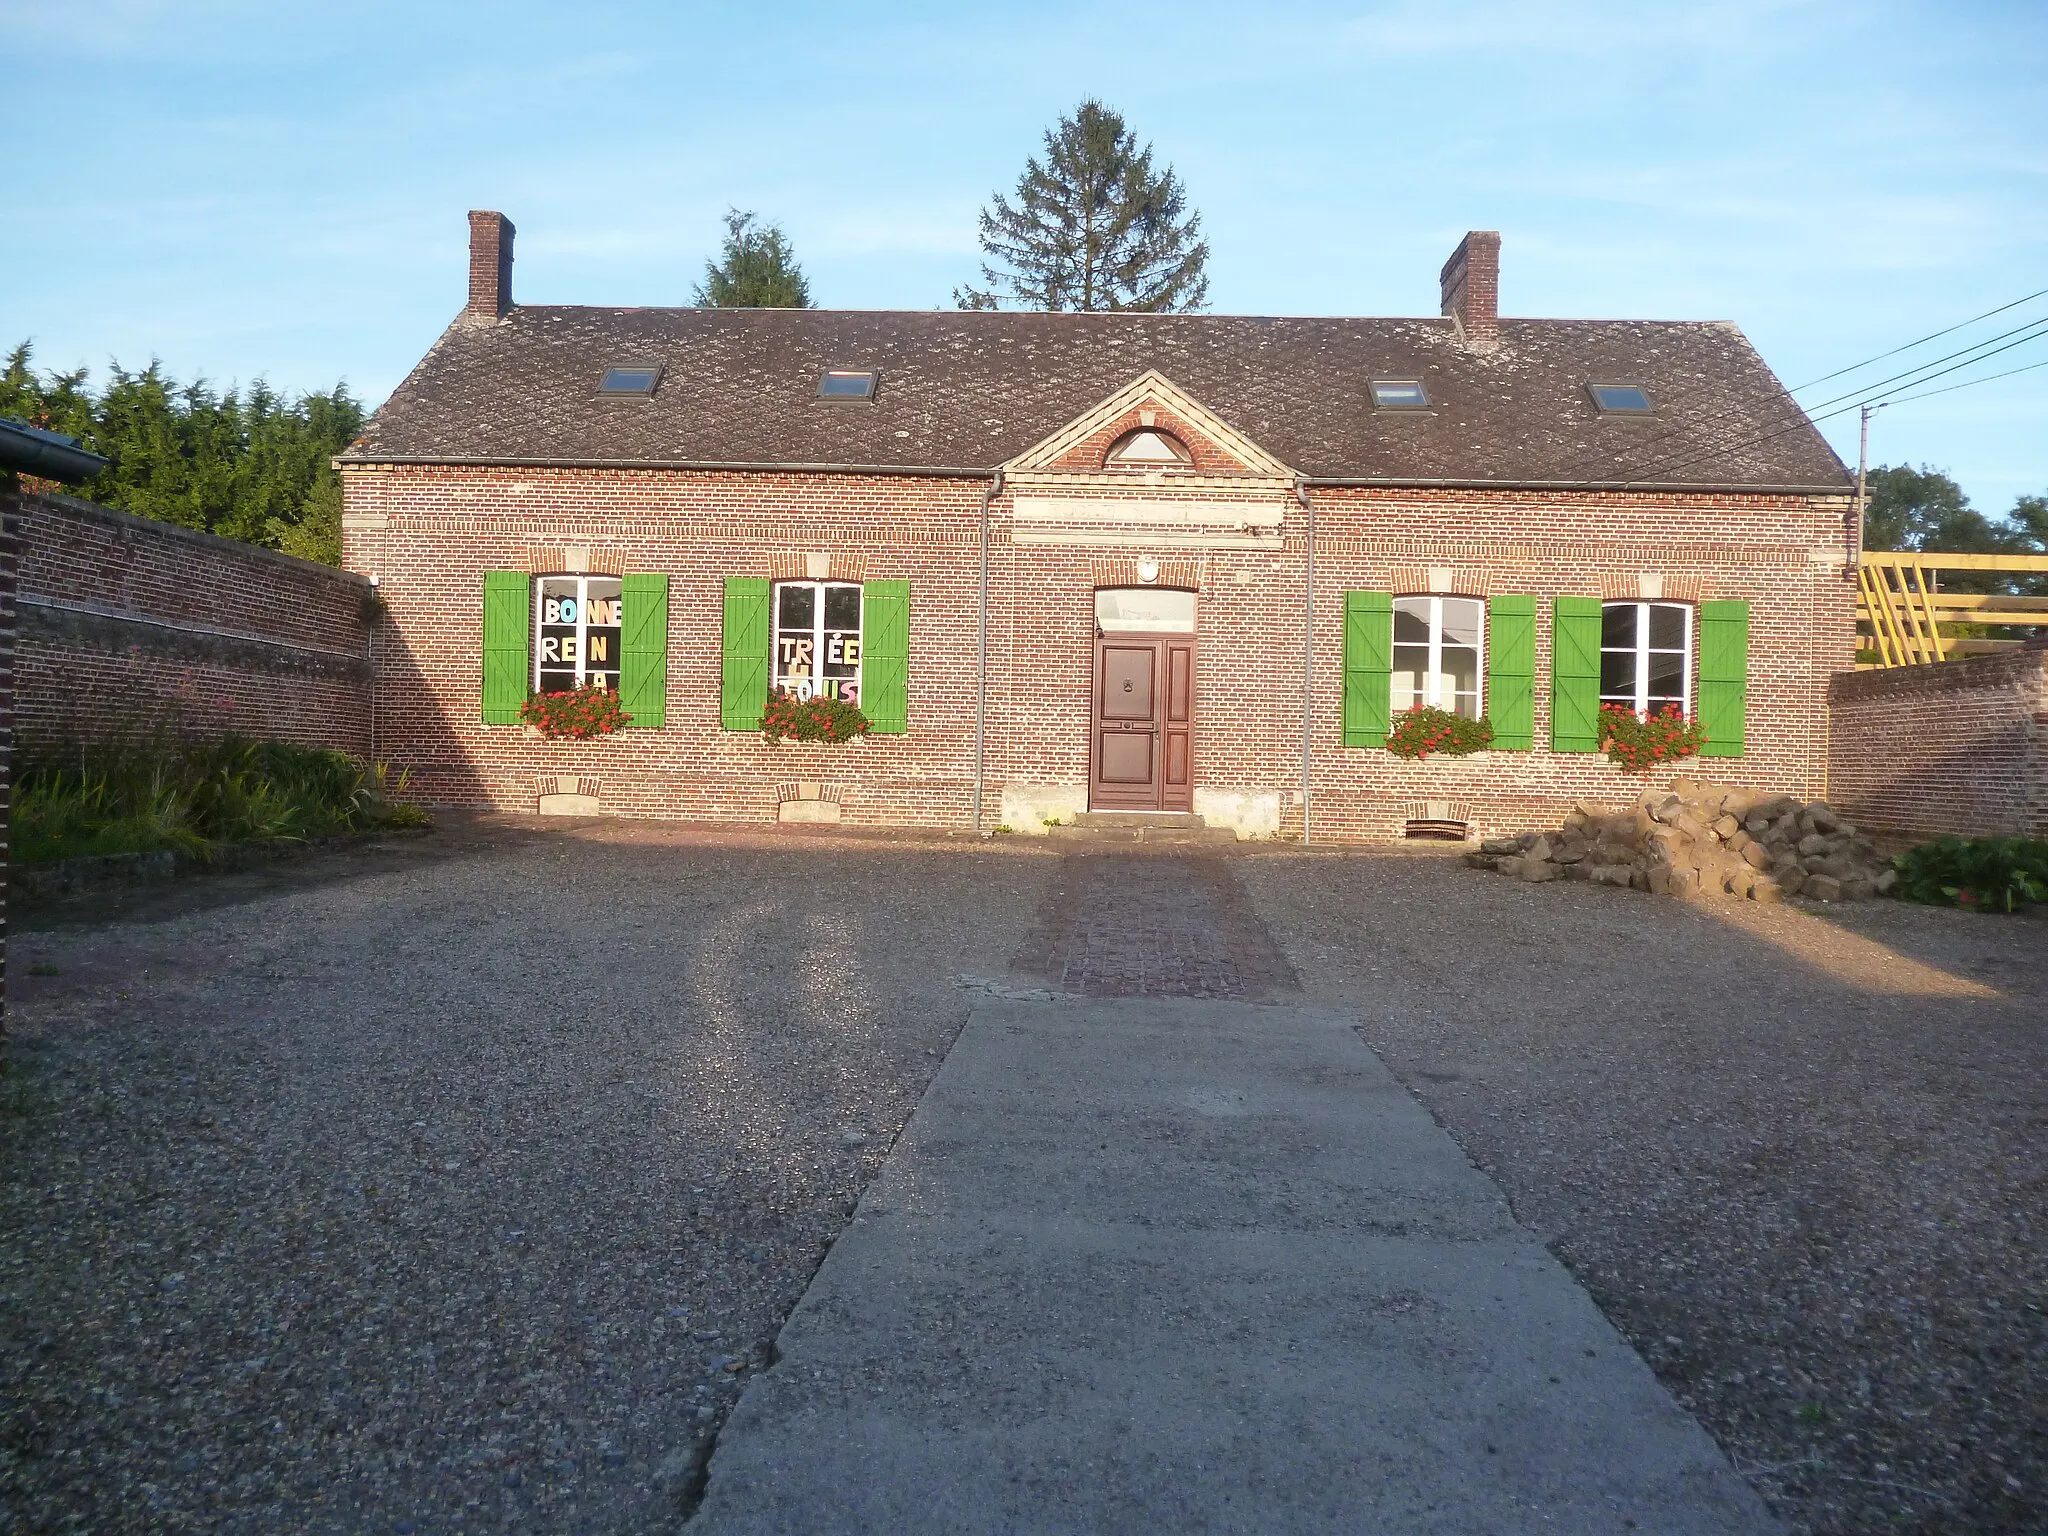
578,642
817,639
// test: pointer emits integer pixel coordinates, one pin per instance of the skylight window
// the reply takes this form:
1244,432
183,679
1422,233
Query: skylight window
1399,395
847,384
633,380
1621,399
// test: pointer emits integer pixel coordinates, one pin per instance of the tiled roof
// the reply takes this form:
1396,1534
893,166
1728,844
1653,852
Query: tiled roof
968,391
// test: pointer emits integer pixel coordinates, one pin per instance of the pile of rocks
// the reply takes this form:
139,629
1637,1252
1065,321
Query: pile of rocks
1697,840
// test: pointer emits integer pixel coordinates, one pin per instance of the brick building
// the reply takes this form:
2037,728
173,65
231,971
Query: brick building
1062,561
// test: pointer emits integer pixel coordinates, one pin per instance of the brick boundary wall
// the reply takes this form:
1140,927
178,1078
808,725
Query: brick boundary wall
1961,746
132,628
10,557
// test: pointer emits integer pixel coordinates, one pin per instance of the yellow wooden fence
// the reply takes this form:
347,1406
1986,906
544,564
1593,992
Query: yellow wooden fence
1901,610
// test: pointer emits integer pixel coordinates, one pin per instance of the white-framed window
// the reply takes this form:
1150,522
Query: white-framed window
576,632
817,639
1148,448
1646,656
1437,645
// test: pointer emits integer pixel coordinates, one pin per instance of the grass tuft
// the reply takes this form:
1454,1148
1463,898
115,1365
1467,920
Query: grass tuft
193,798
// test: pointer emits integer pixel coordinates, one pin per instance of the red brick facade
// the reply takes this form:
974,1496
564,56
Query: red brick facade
135,628
1961,747
430,532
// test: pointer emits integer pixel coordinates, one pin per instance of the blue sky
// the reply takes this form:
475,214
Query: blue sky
275,189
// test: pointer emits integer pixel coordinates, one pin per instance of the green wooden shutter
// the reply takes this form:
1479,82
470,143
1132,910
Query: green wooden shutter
643,656
745,691
1724,676
1575,674
1368,668
508,644
885,656
1511,671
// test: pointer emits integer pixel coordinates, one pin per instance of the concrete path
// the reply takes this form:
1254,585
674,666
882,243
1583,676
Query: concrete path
1168,1265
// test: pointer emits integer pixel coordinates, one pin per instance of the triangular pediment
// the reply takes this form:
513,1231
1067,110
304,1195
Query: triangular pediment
1148,408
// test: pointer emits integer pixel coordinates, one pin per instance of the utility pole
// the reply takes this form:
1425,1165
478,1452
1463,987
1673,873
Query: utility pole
1863,476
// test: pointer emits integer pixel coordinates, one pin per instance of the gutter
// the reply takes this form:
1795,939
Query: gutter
52,455
1714,487
968,472
939,471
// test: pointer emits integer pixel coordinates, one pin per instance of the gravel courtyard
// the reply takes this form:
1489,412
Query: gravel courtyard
459,1185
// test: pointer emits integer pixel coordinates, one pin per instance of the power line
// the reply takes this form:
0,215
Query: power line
1909,379
1782,398
1909,346
1926,393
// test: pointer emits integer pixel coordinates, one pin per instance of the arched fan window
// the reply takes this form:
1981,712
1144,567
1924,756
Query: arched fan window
1148,448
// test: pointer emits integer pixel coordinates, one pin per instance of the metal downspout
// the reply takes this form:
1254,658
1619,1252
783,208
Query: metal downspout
995,489
1308,656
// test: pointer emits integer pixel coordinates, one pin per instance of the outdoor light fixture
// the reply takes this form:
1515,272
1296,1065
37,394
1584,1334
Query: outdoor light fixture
1148,570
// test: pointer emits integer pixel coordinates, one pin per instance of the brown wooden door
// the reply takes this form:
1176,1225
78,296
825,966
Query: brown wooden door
1141,740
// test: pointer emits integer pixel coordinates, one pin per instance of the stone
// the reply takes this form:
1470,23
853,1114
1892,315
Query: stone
1571,853
1667,808
1883,884
1534,869
1756,856
1766,890
1685,883
1726,826
1858,888
1511,864
1739,840
1756,823
1823,888
1501,845
1539,848
1824,820
1660,880
1812,844
1483,860
1791,881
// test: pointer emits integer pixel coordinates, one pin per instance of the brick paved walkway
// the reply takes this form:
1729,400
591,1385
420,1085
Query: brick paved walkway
1152,926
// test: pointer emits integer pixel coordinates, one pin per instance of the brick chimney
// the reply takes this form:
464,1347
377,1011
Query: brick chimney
490,266
1471,286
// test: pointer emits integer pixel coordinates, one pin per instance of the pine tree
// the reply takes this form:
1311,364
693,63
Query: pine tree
1093,228
757,269
252,467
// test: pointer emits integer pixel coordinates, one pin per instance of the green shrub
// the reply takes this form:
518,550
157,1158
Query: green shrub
1987,874
193,797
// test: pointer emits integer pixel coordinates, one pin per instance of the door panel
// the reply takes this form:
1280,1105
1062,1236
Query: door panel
1177,792
1142,737
1127,673
1180,682
1126,759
